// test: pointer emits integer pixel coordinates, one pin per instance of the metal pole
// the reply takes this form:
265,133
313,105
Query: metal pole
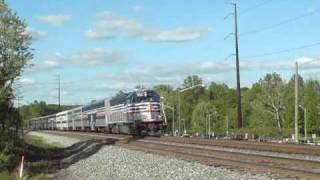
296,106
205,125
184,126
305,123
239,111
179,106
209,126
227,124
164,112
173,121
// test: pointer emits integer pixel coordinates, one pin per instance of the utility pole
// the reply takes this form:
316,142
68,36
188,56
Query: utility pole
239,111
227,125
296,106
209,126
305,123
173,134
206,123
179,106
59,92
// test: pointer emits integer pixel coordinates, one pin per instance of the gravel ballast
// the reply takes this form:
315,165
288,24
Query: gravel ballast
113,162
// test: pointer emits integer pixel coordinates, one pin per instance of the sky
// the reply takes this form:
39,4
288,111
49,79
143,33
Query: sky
99,47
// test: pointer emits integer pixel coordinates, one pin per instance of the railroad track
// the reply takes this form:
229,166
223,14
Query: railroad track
216,152
255,163
250,145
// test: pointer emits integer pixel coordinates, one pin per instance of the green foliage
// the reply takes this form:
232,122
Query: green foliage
5,174
37,109
200,116
311,99
15,52
268,106
39,142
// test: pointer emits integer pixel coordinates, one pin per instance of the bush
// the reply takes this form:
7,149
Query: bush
256,132
7,161
4,174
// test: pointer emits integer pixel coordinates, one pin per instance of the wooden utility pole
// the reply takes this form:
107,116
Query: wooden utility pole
239,111
296,105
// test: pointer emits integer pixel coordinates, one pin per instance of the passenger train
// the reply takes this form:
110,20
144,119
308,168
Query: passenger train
137,112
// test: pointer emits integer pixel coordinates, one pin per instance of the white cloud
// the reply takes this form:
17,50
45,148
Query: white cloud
110,25
96,56
36,34
54,20
86,57
26,81
177,35
304,60
174,74
49,63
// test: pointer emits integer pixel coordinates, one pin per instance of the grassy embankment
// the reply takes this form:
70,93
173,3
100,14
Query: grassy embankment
35,149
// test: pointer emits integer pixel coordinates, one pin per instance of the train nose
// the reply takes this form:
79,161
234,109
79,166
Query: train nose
149,107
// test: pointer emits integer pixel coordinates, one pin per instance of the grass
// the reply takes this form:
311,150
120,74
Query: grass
38,156
34,149
38,146
39,142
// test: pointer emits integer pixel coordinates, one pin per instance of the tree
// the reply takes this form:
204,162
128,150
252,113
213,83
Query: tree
15,52
271,98
189,99
200,116
191,81
310,100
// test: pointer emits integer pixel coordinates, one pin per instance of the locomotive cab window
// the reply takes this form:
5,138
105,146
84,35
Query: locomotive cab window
147,96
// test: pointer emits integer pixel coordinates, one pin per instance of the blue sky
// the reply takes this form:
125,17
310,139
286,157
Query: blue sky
101,46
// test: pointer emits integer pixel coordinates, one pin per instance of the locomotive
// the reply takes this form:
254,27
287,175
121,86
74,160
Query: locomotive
137,112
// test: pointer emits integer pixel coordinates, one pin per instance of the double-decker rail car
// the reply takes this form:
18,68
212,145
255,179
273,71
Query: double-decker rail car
136,112
75,119
62,120
94,116
52,122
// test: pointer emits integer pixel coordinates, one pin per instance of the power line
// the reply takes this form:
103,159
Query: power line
280,23
255,7
285,50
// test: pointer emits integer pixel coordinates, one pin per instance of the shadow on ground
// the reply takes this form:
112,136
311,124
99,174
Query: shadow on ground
41,161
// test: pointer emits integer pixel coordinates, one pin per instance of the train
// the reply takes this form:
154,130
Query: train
137,112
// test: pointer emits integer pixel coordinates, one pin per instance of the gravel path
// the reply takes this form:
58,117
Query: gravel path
55,139
113,162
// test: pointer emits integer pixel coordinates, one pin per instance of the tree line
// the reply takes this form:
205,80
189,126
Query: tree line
268,106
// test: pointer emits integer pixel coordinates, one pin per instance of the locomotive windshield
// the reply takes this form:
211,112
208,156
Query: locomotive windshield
147,96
